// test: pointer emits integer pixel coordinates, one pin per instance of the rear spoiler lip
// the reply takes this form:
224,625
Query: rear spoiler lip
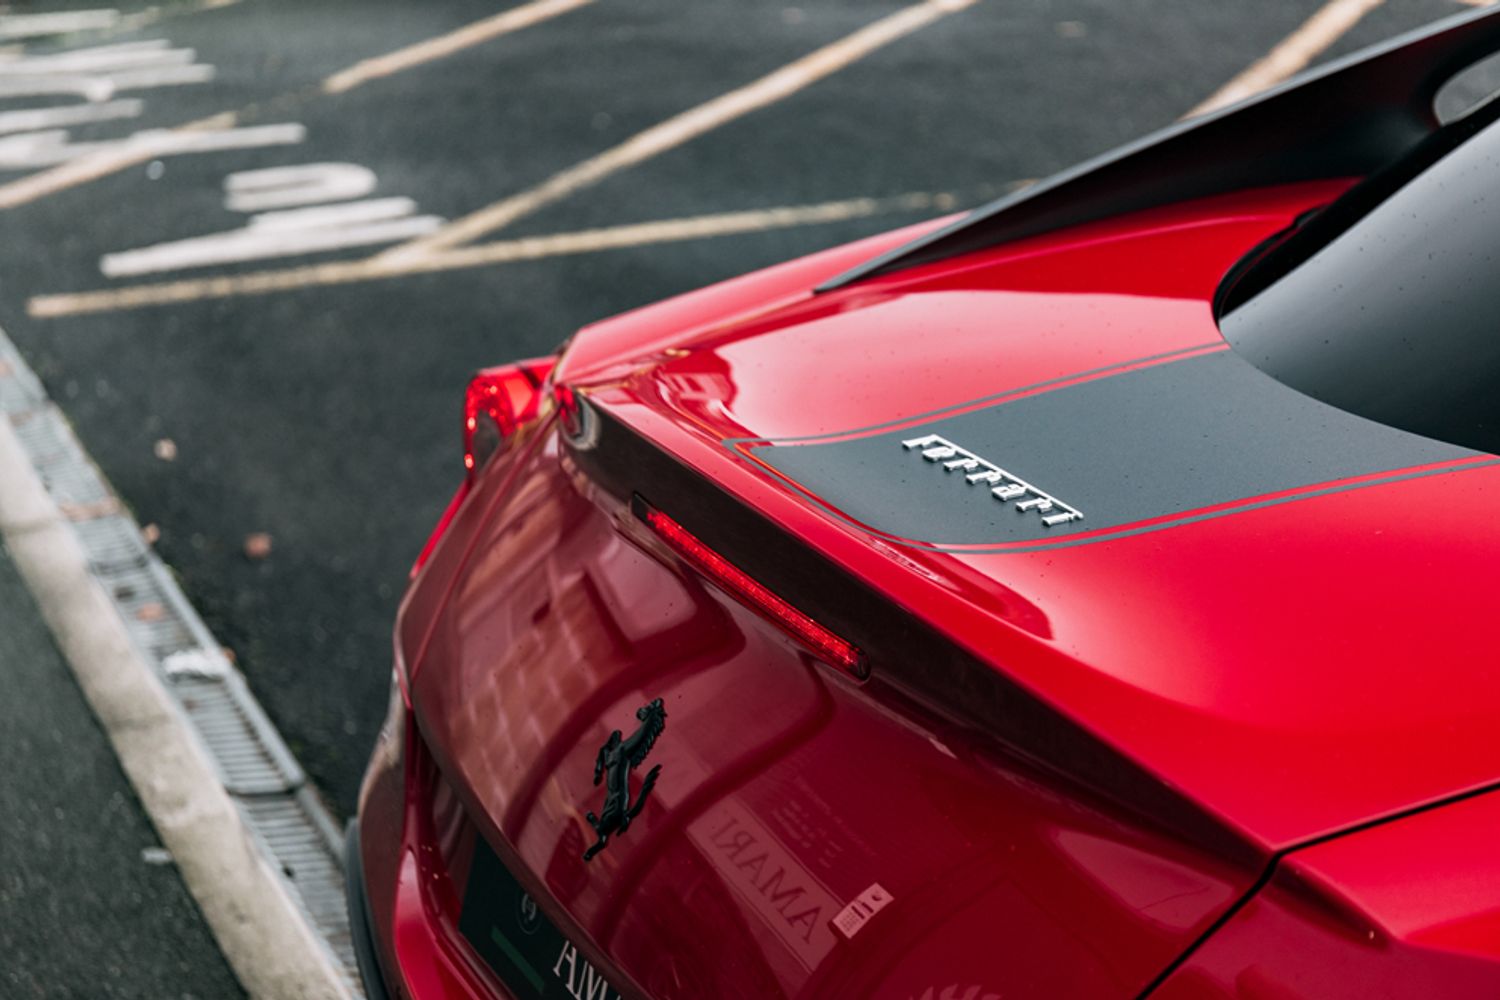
1346,119
953,684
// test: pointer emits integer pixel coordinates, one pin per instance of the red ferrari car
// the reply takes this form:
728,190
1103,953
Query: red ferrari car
1085,597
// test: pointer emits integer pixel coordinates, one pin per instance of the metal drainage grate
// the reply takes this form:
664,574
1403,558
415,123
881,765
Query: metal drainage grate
313,867
113,542
297,833
19,388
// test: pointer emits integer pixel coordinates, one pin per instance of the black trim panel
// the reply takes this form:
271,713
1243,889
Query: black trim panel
360,928
1170,440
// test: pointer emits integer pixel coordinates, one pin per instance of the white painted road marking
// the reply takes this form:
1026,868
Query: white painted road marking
99,73
33,137
102,23
39,149
682,128
334,224
157,76
18,26
1292,55
170,142
92,167
30,149
530,248
90,88
289,233
109,160
99,58
284,187
34,119
349,213
442,46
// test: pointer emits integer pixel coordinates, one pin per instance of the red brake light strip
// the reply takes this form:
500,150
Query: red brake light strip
820,640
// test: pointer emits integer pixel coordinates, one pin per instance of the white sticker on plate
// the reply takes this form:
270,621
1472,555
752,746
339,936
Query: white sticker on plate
852,918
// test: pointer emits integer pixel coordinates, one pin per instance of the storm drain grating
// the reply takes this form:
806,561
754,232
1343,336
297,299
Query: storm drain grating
298,835
19,388
313,867
113,542
70,478
139,597
248,765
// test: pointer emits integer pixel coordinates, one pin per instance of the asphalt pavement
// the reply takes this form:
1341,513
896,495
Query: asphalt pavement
90,904
293,448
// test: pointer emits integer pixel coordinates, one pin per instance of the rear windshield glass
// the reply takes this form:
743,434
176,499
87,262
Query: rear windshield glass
1388,303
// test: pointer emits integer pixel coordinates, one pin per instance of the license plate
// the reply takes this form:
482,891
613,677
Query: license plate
530,955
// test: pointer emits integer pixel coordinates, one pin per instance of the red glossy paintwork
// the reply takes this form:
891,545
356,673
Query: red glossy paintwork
1283,666
779,800
1407,909
611,347
1296,670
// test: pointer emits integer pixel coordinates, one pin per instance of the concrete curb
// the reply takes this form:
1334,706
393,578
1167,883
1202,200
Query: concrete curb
251,908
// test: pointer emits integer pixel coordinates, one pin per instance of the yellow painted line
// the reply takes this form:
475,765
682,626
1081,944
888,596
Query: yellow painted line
442,46
508,251
678,230
1292,54
679,129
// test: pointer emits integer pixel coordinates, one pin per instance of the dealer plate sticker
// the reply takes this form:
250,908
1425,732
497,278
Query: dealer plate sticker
852,918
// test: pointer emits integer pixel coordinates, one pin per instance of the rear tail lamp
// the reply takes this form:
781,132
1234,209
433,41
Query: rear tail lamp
498,401
828,646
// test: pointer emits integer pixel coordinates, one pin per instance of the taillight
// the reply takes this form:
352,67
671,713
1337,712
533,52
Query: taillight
569,413
498,401
828,646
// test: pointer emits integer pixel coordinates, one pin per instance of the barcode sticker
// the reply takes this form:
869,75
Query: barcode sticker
852,918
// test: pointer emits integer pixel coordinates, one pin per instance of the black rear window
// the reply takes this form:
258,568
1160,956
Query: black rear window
1387,302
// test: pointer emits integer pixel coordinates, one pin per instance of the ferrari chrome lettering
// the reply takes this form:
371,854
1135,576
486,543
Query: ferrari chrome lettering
1004,486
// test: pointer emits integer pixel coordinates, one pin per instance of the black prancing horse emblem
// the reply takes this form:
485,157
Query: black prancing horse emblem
613,765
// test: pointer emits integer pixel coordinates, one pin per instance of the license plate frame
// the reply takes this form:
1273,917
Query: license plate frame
510,933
